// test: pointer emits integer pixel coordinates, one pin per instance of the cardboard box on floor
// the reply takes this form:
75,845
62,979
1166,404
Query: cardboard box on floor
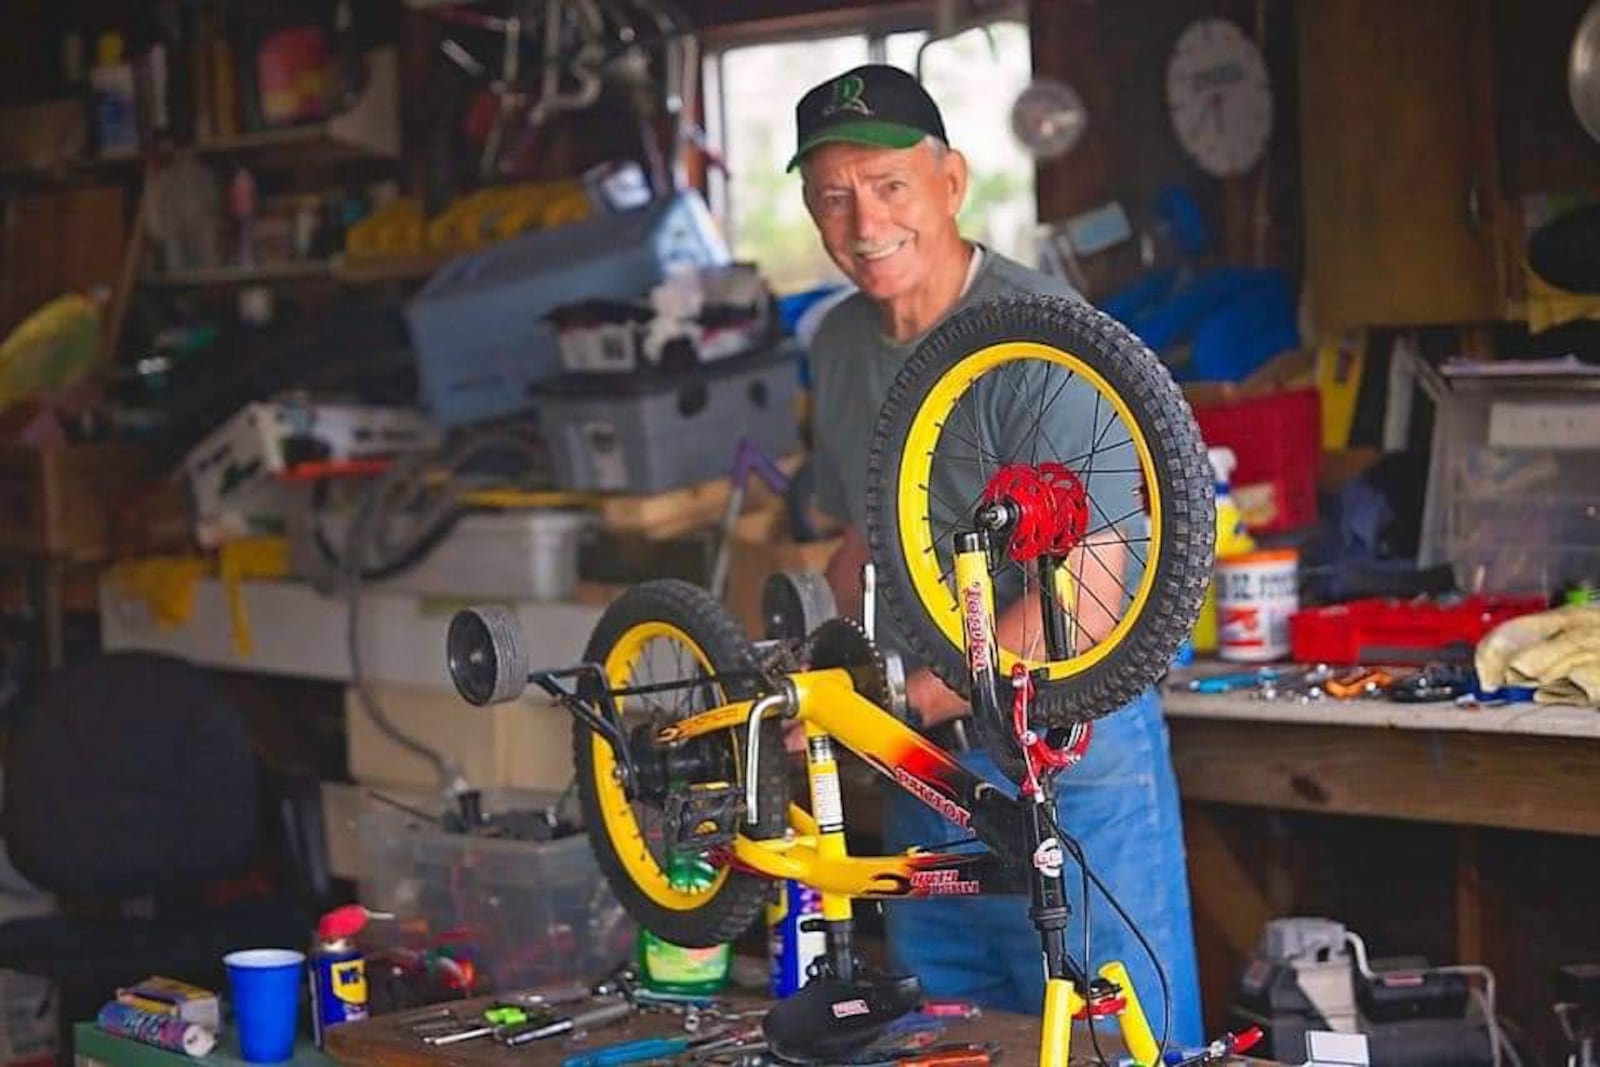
522,745
762,546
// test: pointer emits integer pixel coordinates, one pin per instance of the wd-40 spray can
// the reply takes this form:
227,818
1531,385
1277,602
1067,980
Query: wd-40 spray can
338,972
792,946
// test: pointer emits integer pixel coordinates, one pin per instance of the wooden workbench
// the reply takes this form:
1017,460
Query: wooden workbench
386,1041
1465,834
1519,767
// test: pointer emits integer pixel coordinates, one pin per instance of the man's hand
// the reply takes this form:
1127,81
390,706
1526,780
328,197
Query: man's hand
934,701
794,737
843,572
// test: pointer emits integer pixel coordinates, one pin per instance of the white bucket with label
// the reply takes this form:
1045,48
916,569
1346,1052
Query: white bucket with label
1256,594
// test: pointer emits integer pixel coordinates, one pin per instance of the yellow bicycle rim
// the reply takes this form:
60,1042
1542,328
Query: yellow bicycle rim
622,827
916,527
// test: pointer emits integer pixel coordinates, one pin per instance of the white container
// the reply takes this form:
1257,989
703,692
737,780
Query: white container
521,555
1256,594
232,469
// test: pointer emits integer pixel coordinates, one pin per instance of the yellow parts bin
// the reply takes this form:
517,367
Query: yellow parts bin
398,228
490,215
401,226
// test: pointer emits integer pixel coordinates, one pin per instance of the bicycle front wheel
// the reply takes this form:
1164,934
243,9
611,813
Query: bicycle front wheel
1056,409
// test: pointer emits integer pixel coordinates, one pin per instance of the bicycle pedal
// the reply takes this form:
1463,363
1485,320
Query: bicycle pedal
703,816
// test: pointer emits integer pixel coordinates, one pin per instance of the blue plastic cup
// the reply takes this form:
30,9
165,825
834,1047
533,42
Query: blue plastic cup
266,1001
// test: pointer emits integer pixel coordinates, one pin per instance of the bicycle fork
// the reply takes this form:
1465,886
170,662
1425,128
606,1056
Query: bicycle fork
1065,983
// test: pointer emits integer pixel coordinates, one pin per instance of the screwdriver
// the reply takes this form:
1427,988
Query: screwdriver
606,1013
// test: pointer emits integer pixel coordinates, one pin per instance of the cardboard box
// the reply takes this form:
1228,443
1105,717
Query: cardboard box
523,745
759,548
58,502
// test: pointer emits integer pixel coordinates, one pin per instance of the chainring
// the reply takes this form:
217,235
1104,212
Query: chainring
843,643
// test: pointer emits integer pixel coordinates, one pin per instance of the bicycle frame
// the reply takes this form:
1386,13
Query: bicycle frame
1023,855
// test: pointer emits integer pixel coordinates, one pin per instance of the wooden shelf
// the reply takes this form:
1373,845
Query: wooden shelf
210,276
369,128
371,271
390,268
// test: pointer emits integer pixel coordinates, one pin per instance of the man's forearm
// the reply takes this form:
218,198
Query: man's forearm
1019,626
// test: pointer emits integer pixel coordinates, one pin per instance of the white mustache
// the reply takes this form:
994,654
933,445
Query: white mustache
871,248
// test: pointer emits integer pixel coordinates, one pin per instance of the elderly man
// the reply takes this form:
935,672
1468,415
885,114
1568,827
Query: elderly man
884,188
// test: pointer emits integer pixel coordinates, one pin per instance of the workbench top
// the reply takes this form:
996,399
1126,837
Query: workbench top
1521,719
386,1041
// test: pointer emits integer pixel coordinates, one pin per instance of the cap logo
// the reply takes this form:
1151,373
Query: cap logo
847,96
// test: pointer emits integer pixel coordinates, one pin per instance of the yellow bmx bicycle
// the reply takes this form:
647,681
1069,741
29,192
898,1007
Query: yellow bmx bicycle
1041,527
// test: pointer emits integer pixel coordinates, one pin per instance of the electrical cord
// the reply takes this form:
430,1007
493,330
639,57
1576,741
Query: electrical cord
404,485
1485,998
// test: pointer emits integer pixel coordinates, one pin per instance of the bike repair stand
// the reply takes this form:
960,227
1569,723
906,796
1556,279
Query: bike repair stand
1069,992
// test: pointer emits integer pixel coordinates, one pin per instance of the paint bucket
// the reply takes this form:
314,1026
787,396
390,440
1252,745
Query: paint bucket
1256,594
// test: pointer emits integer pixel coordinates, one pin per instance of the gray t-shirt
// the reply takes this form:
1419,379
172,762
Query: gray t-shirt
853,365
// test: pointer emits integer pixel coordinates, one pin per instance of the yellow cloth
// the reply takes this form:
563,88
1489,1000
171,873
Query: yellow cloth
166,584
1557,652
1549,307
249,557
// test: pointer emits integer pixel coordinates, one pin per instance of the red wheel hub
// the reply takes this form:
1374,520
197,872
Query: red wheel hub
1052,508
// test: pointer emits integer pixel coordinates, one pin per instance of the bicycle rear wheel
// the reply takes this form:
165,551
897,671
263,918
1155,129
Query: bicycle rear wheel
657,634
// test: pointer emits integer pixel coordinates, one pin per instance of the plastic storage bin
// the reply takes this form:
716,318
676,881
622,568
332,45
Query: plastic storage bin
1513,500
521,912
648,434
508,555
479,325
1379,630
1277,439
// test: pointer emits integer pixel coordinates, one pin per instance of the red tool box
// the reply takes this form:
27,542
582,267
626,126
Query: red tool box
1382,630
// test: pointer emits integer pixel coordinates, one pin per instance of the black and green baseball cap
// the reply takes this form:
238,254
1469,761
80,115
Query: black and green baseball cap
872,105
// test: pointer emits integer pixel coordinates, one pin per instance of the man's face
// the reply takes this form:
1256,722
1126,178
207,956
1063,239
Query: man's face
886,215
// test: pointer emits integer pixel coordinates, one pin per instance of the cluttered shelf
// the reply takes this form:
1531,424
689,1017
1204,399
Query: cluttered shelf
350,271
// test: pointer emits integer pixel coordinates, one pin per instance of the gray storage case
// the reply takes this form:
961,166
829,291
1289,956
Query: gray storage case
651,433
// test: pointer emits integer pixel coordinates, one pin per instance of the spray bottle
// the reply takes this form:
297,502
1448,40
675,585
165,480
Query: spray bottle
338,971
1232,540
794,935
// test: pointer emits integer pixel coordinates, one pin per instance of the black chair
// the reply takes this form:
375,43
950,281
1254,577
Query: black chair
133,794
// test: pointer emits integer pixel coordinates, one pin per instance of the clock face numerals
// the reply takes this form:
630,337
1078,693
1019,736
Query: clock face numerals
1219,97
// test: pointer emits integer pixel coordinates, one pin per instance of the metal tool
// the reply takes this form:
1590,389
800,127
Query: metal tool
1227,1045
584,1020
651,1048
1227,683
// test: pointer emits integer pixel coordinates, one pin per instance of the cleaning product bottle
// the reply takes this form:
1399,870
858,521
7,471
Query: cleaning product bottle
668,968
1232,540
116,106
791,944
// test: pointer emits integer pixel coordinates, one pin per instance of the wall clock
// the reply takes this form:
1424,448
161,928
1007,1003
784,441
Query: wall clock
1049,118
1219,97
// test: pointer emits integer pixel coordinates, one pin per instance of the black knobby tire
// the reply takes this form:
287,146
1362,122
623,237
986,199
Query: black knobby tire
728,911
1181,474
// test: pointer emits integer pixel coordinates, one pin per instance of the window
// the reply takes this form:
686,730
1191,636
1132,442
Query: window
750,96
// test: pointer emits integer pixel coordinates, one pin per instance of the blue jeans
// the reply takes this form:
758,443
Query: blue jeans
1121,805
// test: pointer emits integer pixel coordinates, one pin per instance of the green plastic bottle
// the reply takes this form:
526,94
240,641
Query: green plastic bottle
669,968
